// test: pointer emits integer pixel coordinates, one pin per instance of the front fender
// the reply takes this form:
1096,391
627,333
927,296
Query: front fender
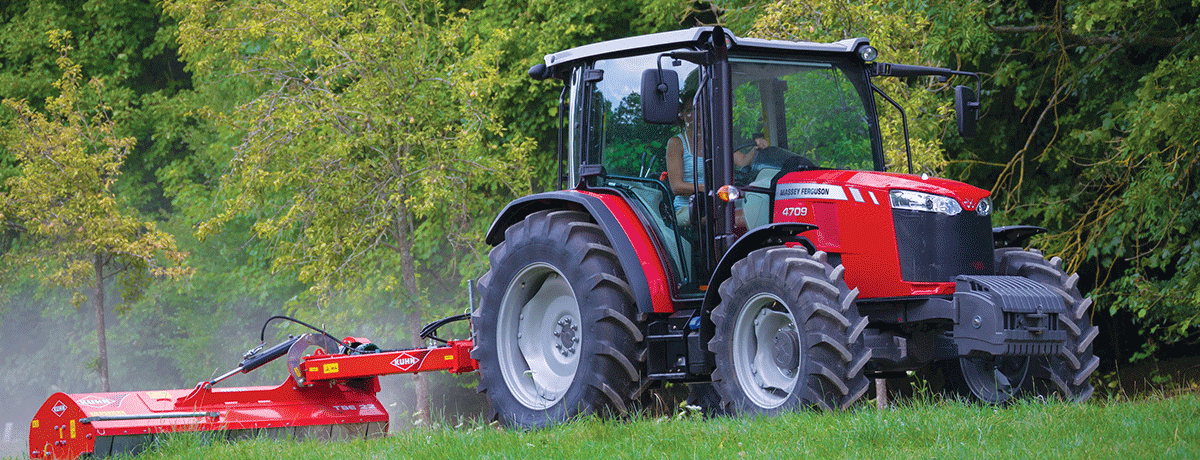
1014,236
776,234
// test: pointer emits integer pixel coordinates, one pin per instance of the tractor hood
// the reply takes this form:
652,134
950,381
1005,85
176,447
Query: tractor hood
856,183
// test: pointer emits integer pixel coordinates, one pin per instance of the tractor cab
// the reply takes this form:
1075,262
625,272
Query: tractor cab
745,113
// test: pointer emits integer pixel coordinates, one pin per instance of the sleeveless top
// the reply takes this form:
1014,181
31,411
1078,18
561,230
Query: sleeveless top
692,167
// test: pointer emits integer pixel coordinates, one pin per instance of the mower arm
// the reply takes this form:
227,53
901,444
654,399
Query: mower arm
454,357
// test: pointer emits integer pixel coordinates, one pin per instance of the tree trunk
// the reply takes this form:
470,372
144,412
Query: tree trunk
408,273
101,336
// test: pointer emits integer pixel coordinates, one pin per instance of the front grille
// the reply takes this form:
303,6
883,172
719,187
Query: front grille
934,247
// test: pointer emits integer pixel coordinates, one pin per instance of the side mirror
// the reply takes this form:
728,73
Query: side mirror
660,96
539,72
966,110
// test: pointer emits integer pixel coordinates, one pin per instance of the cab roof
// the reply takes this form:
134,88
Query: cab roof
693,37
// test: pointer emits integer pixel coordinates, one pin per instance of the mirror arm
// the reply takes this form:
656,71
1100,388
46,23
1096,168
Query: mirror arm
887,69
694,57
661,88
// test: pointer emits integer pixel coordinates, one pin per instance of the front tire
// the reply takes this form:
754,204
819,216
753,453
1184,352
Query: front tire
553,334
1066,374
787,336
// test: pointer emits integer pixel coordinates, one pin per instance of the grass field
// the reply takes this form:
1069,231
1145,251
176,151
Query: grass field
1147,427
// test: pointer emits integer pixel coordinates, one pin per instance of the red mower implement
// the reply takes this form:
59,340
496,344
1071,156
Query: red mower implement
328,394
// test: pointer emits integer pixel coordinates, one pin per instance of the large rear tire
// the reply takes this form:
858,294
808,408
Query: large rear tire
1066,374
787,336
554,333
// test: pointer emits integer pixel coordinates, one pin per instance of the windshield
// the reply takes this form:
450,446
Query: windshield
811,109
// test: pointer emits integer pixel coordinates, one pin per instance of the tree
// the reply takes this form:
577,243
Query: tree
130,46
72,226
902,33
371,145
1102,93
525,31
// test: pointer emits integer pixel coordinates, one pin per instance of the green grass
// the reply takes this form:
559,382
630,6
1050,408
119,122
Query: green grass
1149,427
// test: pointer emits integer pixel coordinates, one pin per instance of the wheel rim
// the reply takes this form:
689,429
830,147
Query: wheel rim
539,336
994,380
766,351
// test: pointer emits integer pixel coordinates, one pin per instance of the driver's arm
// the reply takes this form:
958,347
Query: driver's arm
675,169
742,159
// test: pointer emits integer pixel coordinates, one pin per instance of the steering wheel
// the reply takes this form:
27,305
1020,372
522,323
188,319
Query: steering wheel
743,175
747,144
770,157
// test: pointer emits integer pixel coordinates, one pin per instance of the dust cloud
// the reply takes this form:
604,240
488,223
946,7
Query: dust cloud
47,345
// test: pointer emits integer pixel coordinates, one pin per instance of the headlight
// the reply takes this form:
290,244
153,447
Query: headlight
867,53
984,207
917,201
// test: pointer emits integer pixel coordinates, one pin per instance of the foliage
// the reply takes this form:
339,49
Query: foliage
1103,93
128,45
77,232
73,220
525,31
374,123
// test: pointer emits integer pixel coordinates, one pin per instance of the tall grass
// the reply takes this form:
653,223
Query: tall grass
1152,427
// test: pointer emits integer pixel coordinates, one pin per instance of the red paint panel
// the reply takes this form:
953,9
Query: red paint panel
854,216
825,216
647,254
455,357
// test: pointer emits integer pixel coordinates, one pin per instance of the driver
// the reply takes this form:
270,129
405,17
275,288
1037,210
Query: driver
683,163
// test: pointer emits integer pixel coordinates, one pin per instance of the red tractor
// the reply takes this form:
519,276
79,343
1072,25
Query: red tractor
793,269
774,266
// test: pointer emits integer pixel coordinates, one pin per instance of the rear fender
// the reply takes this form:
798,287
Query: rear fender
639,259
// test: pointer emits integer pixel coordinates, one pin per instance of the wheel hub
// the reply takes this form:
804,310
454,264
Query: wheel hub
566,332
994,380
787,346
